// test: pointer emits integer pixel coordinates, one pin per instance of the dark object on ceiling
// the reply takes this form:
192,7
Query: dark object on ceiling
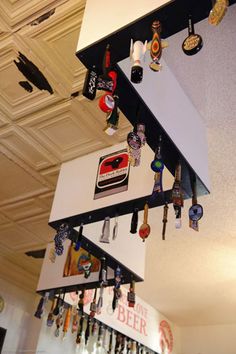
26,85
36,254
74,94
32,73
42,18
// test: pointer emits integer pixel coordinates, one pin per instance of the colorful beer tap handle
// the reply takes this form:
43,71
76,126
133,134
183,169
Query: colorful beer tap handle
59,322
67,267
116,296
75,322
67,321
193,43
90,84
100,334
131,294
219,8
81,302
164,220
110,342
93,305
145,229
79,238
94,327
103,272
156,47
115,228
100,300
39,311
105,236
80,330
177,196
128,346
195,211
50,318
134,222
157,166
88,330
104,338
56,308
112,120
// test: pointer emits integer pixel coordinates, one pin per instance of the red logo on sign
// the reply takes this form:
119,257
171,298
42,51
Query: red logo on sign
166,337
113,174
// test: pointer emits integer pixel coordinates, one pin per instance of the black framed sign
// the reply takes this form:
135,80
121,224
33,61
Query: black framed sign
113,174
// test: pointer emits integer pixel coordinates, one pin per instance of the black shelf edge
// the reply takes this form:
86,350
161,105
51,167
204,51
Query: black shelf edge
116,209
112,210
173,17
111,262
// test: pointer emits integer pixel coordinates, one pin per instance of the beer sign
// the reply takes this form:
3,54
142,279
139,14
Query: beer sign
113,174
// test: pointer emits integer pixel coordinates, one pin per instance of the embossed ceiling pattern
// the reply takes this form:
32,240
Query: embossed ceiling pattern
195,278
38,131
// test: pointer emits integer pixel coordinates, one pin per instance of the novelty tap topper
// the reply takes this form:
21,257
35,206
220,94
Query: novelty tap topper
156,46
137,52
218,11
90,84
112,120
193,43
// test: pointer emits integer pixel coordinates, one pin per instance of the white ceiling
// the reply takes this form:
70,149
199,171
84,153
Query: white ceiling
191,277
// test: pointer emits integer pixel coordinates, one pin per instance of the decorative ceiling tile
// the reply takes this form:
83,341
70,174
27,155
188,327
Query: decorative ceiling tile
52,39
24,209
3,120
14,99
4,220
29,264
18,272
19,13
38,226
51,174
46,200
26,148
17,184
64,135
9,75
16,238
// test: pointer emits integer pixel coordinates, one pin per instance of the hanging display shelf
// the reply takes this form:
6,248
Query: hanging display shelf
173,18
51,278
112,210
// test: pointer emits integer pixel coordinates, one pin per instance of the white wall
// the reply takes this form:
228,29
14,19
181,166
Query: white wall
218,339
48,344
27,334
17,317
